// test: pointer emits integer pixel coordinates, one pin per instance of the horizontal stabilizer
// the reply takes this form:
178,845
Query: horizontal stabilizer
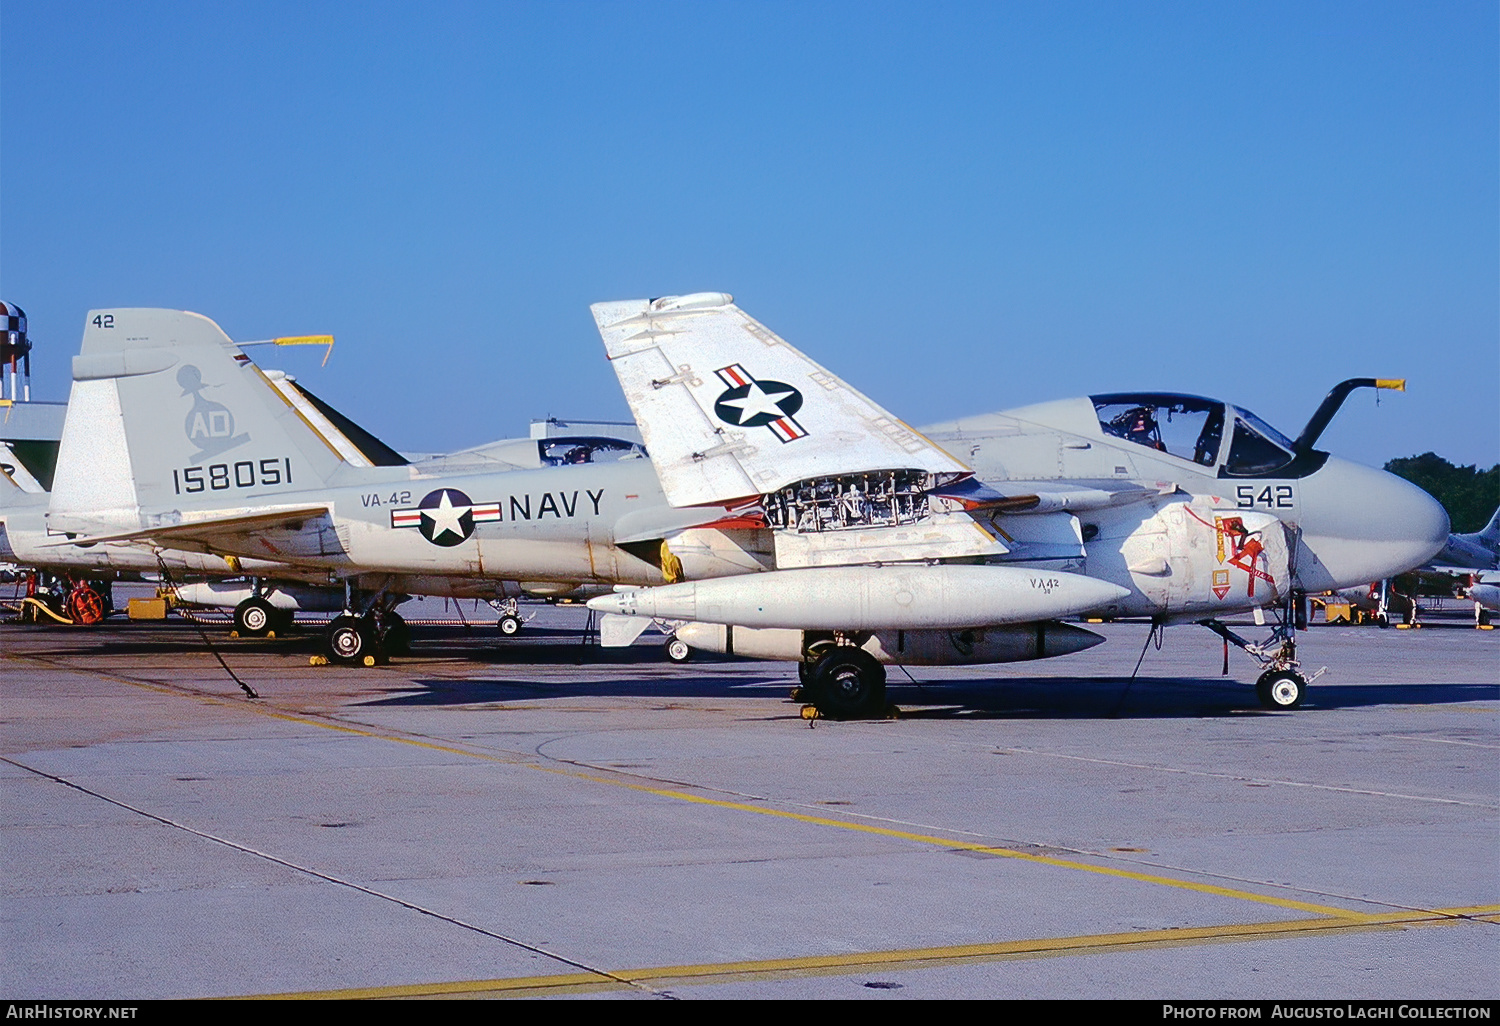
207,530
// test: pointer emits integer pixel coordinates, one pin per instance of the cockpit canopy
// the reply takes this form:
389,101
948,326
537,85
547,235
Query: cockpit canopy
1191,427
561,452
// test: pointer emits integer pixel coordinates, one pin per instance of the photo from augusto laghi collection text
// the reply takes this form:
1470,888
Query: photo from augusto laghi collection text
1263,1010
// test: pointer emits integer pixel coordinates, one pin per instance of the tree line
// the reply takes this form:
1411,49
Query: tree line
1469,494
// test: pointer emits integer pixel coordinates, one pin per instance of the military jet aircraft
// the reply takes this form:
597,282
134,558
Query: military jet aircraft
83,573
175,439
1477,550
969,541
263,595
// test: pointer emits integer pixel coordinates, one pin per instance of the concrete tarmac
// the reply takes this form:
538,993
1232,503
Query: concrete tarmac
531,816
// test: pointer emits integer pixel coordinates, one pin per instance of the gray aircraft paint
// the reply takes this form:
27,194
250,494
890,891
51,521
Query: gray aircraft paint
170,422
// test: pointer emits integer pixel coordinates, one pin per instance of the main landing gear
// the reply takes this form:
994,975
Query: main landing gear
1282,686
350,639
256,618
368,638
843,682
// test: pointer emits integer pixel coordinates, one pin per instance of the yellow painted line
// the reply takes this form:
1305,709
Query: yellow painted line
717,972
946,843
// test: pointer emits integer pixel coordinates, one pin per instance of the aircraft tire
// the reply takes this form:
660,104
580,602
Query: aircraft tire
1281,689
847,684
509,625
349,640
255,617
678,651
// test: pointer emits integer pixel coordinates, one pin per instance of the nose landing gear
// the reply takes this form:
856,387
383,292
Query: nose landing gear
1280,689
1282,686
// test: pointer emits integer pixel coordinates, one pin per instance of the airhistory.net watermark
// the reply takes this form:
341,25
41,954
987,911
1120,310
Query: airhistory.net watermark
67,1010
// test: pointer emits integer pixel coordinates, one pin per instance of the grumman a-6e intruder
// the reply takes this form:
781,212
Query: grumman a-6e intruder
967,542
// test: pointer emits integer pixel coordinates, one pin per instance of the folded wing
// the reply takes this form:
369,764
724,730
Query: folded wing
729,410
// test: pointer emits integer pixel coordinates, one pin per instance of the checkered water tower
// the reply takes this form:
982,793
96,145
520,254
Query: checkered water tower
15,353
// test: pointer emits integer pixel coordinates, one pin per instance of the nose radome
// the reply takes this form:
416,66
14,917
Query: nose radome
1365,525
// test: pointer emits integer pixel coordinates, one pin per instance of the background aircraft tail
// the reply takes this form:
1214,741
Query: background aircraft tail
166,413
1477,551
1489,535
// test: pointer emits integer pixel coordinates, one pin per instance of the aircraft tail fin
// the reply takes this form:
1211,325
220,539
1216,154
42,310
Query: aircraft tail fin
1489,535
167,413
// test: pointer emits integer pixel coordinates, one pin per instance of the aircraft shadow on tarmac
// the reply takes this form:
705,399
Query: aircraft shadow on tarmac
994,698
1014,696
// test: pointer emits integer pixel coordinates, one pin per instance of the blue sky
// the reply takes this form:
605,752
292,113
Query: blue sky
958,207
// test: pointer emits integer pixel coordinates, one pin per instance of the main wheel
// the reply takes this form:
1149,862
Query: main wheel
255,617
678,651
349,640
85,605
1280,689
509,625
848,683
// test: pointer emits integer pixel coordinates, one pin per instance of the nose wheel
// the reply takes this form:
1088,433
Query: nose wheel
1282,685
1280,689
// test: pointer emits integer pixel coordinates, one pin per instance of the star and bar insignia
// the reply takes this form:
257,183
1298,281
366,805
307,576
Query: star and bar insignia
446,517
751,403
